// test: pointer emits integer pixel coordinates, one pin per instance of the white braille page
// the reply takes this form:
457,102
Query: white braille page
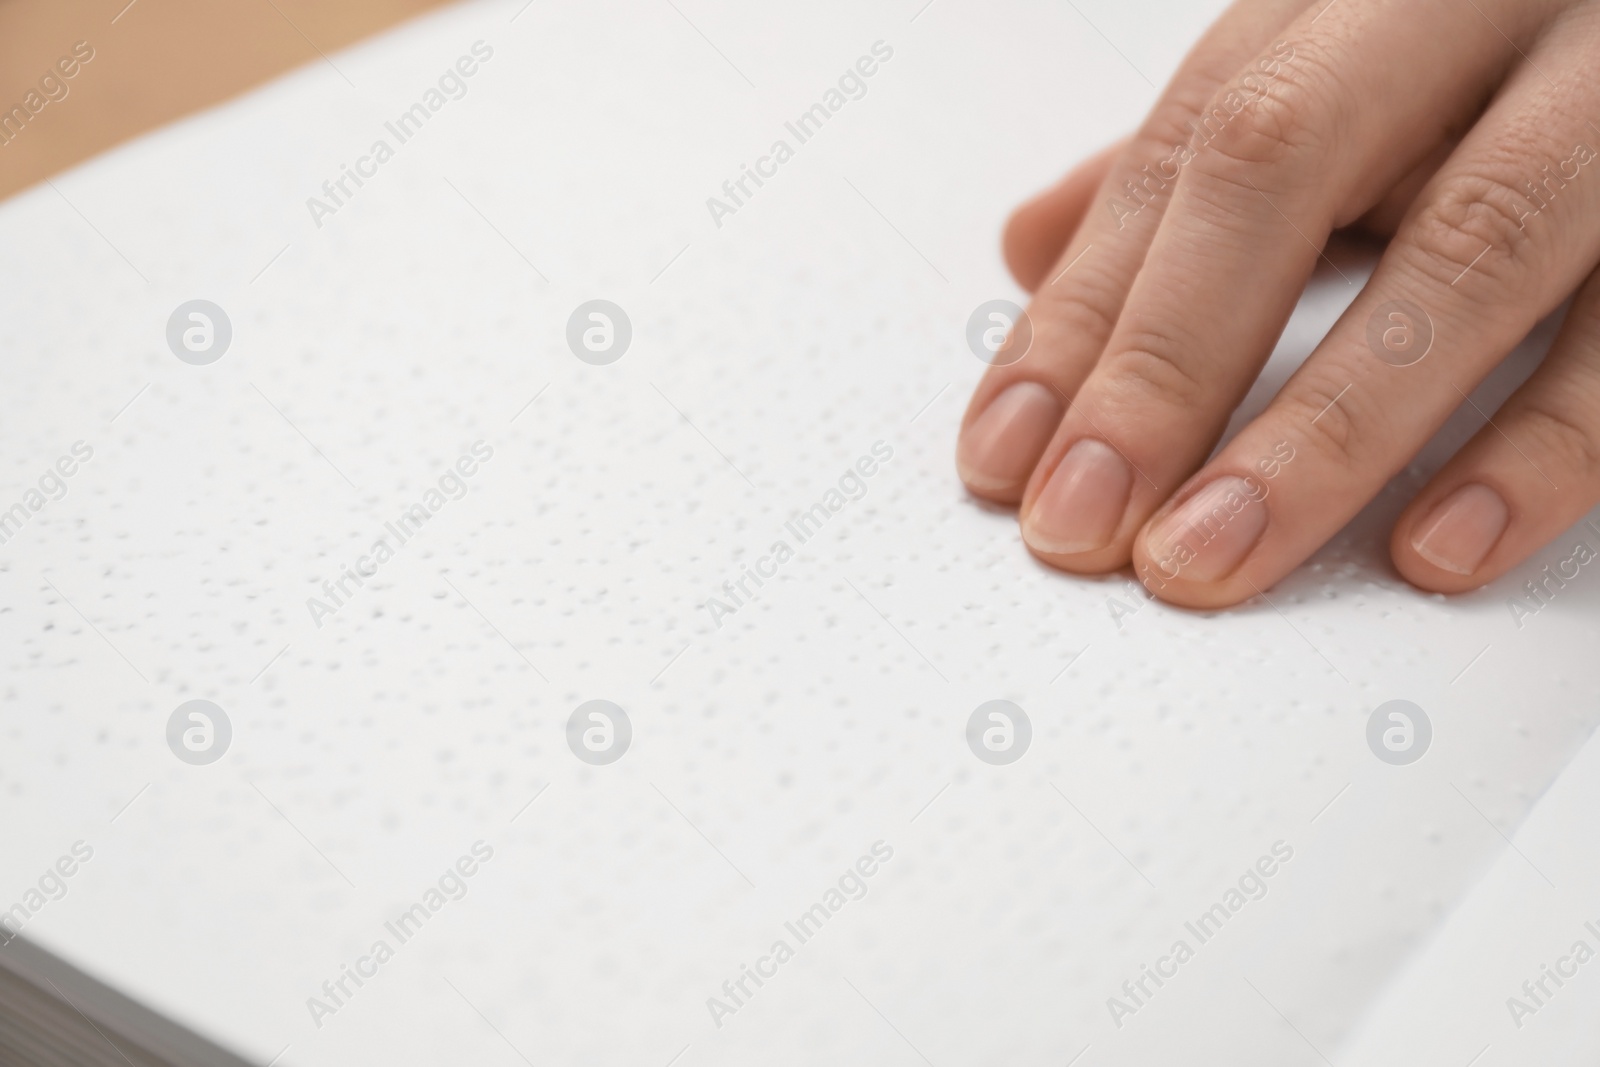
791,766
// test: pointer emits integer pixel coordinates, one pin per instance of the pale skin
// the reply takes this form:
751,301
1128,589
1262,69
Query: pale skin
1467,131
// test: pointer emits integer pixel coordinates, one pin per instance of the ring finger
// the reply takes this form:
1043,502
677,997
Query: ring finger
1499,238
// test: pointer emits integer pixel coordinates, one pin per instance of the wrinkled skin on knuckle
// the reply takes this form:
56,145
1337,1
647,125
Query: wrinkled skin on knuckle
1148,370
1273,123
1340,425
1472,225
1080,306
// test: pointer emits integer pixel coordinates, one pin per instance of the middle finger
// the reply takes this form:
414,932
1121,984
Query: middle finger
1366,91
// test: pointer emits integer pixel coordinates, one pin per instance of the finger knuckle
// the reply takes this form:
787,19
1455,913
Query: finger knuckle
1270,124
1471,232
1151,366
1083,306
1334,421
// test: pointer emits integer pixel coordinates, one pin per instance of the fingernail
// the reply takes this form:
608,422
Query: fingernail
1461,529
1000,449
1207,538
1081,505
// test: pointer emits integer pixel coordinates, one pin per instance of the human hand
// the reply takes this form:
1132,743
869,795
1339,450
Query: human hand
1164,270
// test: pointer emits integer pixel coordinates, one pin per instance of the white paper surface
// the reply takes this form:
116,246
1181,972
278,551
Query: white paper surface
1170,750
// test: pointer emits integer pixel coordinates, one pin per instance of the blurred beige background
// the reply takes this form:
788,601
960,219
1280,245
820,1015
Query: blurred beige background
153,61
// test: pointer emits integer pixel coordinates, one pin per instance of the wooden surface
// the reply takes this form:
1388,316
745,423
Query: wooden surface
153,61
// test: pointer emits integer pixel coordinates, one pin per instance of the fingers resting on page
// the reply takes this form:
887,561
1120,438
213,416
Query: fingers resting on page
1164,270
